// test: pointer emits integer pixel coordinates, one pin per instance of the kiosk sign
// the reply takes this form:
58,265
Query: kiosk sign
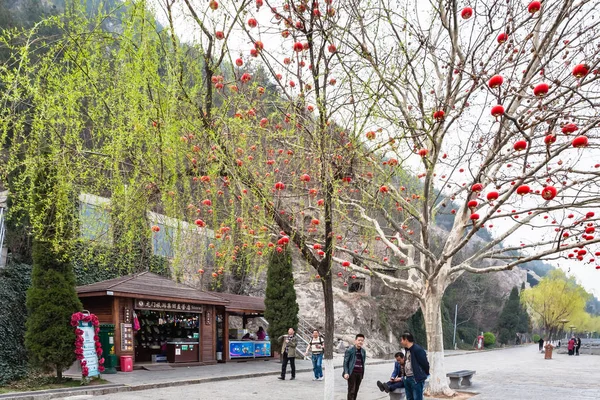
89,348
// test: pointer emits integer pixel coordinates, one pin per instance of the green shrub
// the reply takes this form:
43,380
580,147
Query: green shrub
489,339
15,280
536,338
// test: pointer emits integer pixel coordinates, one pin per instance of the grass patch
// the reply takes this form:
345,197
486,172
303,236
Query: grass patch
45,382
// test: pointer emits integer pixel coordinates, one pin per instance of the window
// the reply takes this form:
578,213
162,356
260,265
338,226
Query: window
162,241
94,222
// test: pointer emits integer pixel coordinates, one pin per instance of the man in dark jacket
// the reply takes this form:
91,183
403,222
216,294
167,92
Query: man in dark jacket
354,365
577,345
416,367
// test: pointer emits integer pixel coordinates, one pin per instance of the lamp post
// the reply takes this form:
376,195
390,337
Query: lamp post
572,329
562,327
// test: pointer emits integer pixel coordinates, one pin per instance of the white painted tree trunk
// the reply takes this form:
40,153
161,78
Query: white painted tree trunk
432,313
328,375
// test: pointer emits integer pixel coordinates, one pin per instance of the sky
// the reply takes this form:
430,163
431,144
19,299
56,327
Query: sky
239,44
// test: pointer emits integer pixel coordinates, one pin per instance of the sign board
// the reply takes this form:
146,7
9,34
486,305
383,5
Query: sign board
89,348
167,306
126,337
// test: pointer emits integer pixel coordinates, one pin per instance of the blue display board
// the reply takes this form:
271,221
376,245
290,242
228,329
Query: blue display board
262,349
239,349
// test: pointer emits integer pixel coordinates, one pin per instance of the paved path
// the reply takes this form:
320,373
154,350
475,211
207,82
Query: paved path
517,373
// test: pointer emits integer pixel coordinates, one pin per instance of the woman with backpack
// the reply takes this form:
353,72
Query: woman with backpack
316,349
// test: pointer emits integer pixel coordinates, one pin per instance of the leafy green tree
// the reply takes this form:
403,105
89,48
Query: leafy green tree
281,308
51,299
513,318
556,298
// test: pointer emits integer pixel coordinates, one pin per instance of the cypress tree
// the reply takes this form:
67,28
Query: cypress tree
51,301
281,308
513,318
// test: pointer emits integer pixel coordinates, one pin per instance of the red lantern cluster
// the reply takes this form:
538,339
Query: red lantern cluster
438,115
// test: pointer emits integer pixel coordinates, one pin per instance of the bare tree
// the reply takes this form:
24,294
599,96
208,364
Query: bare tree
491,107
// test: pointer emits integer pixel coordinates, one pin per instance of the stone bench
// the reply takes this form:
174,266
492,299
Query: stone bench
460,378
397,394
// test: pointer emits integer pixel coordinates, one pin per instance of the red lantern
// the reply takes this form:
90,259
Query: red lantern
252,23
549,192
239,62
155,228
503,37
590,214
423,152
279,186
472,204
298,47
523,190
580,141
315,221
213,5
438,115
495,81
491,196
474,217
520,145
383,189
331,48
305,178
542,89
580,70
569,128
219,35
346,264
370,135
200,223
549,139
534,7
466,13
497,111
477,187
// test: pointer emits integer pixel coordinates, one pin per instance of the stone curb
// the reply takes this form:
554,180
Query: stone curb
120,388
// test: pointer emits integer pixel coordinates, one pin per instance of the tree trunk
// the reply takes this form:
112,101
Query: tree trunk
328,374
59,376
432,313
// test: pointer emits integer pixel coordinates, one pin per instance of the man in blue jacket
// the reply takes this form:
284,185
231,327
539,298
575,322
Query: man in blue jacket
397,379
416,367
354,365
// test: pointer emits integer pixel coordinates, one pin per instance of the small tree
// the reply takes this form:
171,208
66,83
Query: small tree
513,318
51,301
281,308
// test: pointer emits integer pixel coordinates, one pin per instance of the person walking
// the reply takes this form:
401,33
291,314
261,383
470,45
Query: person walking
416,367
288,350
571,346
577,345
354,365
316,349
541,344
260,333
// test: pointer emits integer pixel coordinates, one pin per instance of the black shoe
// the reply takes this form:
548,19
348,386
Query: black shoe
281,378
292,378
380,386
386,388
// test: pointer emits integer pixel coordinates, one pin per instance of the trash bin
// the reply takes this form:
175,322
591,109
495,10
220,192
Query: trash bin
548,352
107,339
126,363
